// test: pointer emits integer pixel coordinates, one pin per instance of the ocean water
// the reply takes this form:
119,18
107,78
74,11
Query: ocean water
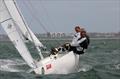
101,61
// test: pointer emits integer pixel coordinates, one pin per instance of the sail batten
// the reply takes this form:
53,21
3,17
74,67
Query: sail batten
6,20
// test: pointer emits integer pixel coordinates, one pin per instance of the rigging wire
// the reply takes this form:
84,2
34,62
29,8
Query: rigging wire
33,16
28,31
33,8
0,30
23,21
36,18
47,14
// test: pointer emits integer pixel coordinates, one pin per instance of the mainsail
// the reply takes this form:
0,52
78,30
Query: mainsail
7,22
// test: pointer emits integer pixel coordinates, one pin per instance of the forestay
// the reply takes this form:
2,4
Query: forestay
8,24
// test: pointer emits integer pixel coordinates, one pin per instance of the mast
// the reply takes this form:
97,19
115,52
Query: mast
24,28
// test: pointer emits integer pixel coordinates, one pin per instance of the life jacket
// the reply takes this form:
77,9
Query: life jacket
85,43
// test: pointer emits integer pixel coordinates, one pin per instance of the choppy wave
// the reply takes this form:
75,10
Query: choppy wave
101,61
11,65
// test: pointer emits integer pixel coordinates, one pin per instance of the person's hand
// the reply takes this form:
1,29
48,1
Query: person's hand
67,46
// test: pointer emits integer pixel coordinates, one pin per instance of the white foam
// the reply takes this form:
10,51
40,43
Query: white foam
11,65
117,66
85,68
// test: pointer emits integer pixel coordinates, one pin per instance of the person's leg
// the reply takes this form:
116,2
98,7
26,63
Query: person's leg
79,52
72,48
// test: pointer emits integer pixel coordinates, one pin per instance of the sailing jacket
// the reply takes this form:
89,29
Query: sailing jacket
80,43
75,39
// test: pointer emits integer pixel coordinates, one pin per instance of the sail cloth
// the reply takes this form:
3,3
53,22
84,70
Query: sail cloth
19,20
7,22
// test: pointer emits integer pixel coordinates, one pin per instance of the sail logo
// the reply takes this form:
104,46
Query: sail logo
48,66
9,26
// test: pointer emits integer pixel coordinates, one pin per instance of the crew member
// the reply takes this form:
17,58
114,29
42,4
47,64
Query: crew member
76,35
80,44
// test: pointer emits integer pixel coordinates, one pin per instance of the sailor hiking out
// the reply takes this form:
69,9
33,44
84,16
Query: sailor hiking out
80,41
78,45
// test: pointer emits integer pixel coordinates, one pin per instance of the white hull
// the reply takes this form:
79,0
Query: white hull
60,64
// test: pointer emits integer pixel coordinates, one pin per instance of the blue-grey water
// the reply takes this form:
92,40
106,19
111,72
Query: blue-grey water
101,61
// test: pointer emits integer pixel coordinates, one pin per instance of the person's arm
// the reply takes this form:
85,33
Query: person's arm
81,40
74,43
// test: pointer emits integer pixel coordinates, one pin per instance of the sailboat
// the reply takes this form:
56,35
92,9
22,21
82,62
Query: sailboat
17,29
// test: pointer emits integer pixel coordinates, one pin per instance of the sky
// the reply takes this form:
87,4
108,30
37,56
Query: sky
63,15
